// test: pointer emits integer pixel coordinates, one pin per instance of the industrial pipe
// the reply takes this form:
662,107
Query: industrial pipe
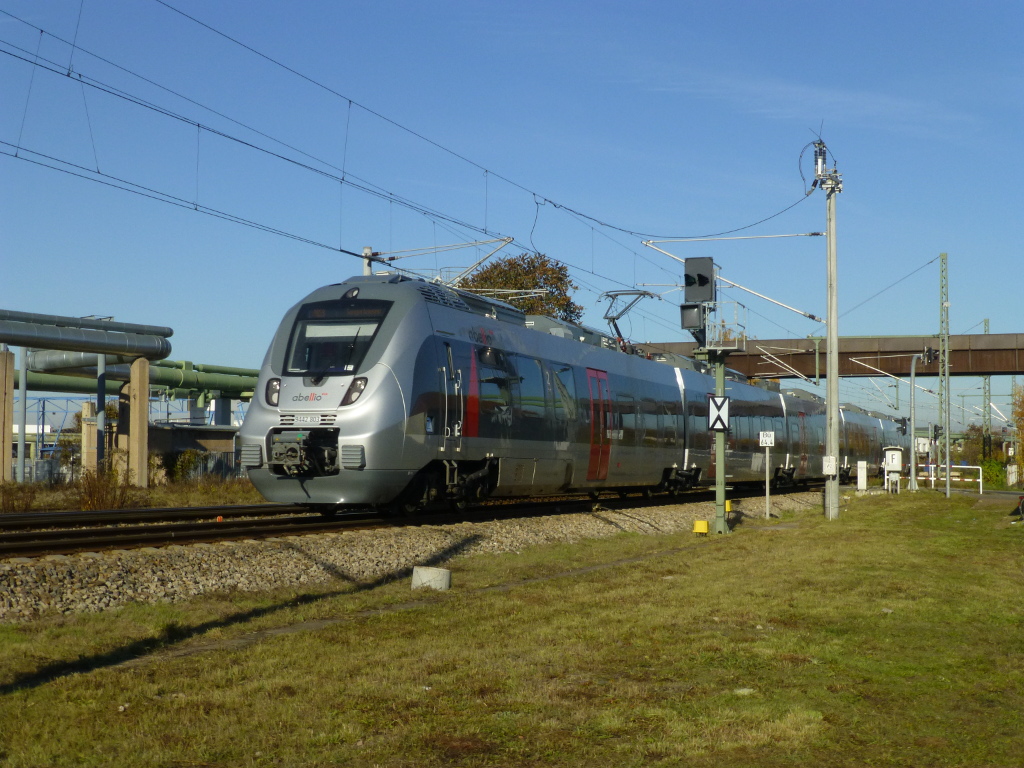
152,347
86,322
54,361
182,381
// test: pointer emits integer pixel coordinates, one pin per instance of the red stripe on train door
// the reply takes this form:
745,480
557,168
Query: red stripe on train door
600,424
471,425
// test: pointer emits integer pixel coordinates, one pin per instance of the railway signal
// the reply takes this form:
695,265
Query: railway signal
699,280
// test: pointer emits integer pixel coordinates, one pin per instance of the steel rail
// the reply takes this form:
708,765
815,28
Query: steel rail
71,541
26,520
236,523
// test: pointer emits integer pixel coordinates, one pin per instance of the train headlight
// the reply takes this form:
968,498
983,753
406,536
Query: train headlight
355,389
273,392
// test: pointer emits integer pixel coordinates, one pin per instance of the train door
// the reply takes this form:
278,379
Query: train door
600,424
454,402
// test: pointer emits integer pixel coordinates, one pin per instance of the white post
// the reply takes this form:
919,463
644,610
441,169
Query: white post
767,486
768,441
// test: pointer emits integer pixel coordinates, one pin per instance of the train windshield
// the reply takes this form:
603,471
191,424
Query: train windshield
332,337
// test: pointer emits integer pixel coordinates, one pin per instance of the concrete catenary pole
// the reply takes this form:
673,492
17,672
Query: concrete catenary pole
831,182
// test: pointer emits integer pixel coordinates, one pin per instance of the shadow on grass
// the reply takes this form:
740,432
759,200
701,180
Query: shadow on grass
174,634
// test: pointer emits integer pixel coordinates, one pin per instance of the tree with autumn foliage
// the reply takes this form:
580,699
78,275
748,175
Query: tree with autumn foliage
529,272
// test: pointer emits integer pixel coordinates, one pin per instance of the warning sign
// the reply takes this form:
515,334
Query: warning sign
718,414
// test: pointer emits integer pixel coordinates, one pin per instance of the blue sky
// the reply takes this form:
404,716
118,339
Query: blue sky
665,118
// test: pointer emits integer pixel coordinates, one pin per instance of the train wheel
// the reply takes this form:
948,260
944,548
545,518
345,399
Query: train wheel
401,509
412,500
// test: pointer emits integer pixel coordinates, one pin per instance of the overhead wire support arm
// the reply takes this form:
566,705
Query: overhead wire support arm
651,243
387,258
648,243
393,255
808,315
457,280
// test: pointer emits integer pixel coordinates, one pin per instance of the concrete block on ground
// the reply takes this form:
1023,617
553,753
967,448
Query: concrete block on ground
434,578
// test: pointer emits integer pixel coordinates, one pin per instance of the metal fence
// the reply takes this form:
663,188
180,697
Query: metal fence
221,464
224,465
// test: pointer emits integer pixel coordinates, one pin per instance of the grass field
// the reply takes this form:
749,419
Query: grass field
890,637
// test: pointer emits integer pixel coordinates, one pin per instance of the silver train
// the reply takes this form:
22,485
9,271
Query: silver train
386,391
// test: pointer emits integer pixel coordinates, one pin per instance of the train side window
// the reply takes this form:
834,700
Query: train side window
623,419
531,388
564,391
496,387
666,424
700,437
653,423
494,391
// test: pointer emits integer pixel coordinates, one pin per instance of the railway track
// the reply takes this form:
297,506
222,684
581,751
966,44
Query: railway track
63,533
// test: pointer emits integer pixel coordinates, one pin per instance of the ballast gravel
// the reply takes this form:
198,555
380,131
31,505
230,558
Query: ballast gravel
99,581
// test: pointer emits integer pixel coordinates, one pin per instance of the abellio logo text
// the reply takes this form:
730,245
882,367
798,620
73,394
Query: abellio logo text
312,397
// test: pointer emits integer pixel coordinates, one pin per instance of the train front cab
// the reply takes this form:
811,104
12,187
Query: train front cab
327,424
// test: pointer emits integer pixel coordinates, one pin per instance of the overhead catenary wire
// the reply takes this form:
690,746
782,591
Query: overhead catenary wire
539,199
112,90
129,186
888,287
442,147
363,185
